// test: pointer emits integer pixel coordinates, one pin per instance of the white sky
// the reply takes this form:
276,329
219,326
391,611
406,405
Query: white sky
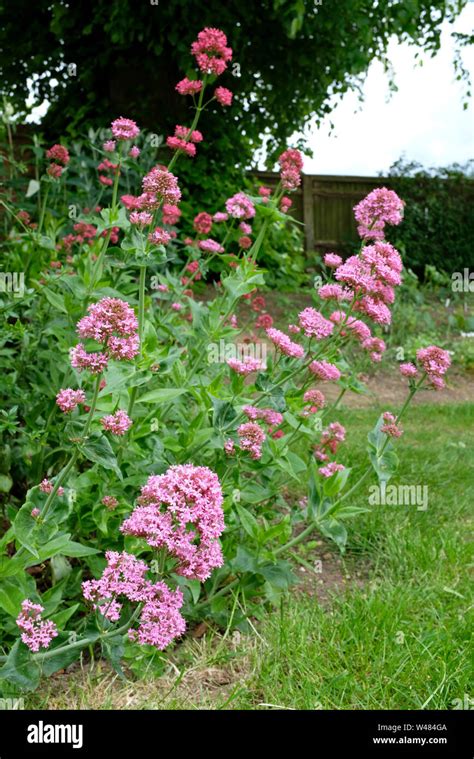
424,120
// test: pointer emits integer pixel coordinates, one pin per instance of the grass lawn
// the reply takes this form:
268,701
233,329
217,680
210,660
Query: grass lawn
400,637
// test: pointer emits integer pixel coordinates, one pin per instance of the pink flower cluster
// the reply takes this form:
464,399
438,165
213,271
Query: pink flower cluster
124,129
117,423
375,345
268,415
159,236
211,51
331,437
223,96
314,324
184,139
436,362
36,632
110,502
159,186
239,206
210,246
171,214
332,260
291,163
189,86
245,366
60,157
316,399
380,207
113,323
203,223
68,399
390,426
325,371
251,438
372,275
181,511
284,344
330,469
124,578
408,370
46,486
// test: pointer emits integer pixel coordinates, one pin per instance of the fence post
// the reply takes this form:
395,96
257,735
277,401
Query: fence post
308,214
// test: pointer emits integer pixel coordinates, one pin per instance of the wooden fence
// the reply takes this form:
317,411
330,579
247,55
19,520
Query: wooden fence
325,204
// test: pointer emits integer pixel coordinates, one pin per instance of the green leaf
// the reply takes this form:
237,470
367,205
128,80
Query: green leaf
223,414
99,450
248,521
19,668
6,483
62,617
336,531
55,299
162,395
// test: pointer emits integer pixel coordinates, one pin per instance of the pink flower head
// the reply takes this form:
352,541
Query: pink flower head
314,324
124,578
181,511
246,366
54,170
408,370
109,146
220,216
130,202
436,362
315,398
285,204
239,206
229,447
251,439
46,486
141,218
159,236
177,143
36,633
59,154
380,207
245,228
245,242
284,344
211,246
211,51
334,292
330,469
110,316
177,306
203,223
117,423
95,363
160,619
291,163
264,321
124,129
189,86
134,151
171,214
325,371
110,502
223,96
68,399
35,513
332,260
390,426
264,193
162,184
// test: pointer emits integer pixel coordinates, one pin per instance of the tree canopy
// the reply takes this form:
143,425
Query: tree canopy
292,58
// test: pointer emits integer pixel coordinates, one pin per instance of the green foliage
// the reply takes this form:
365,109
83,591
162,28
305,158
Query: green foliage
438,224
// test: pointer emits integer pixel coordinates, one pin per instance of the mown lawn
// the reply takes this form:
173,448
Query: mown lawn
399,639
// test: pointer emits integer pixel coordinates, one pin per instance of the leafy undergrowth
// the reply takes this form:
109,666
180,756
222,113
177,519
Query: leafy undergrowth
386,627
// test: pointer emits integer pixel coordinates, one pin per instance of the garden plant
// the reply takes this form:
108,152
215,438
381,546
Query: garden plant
155,426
